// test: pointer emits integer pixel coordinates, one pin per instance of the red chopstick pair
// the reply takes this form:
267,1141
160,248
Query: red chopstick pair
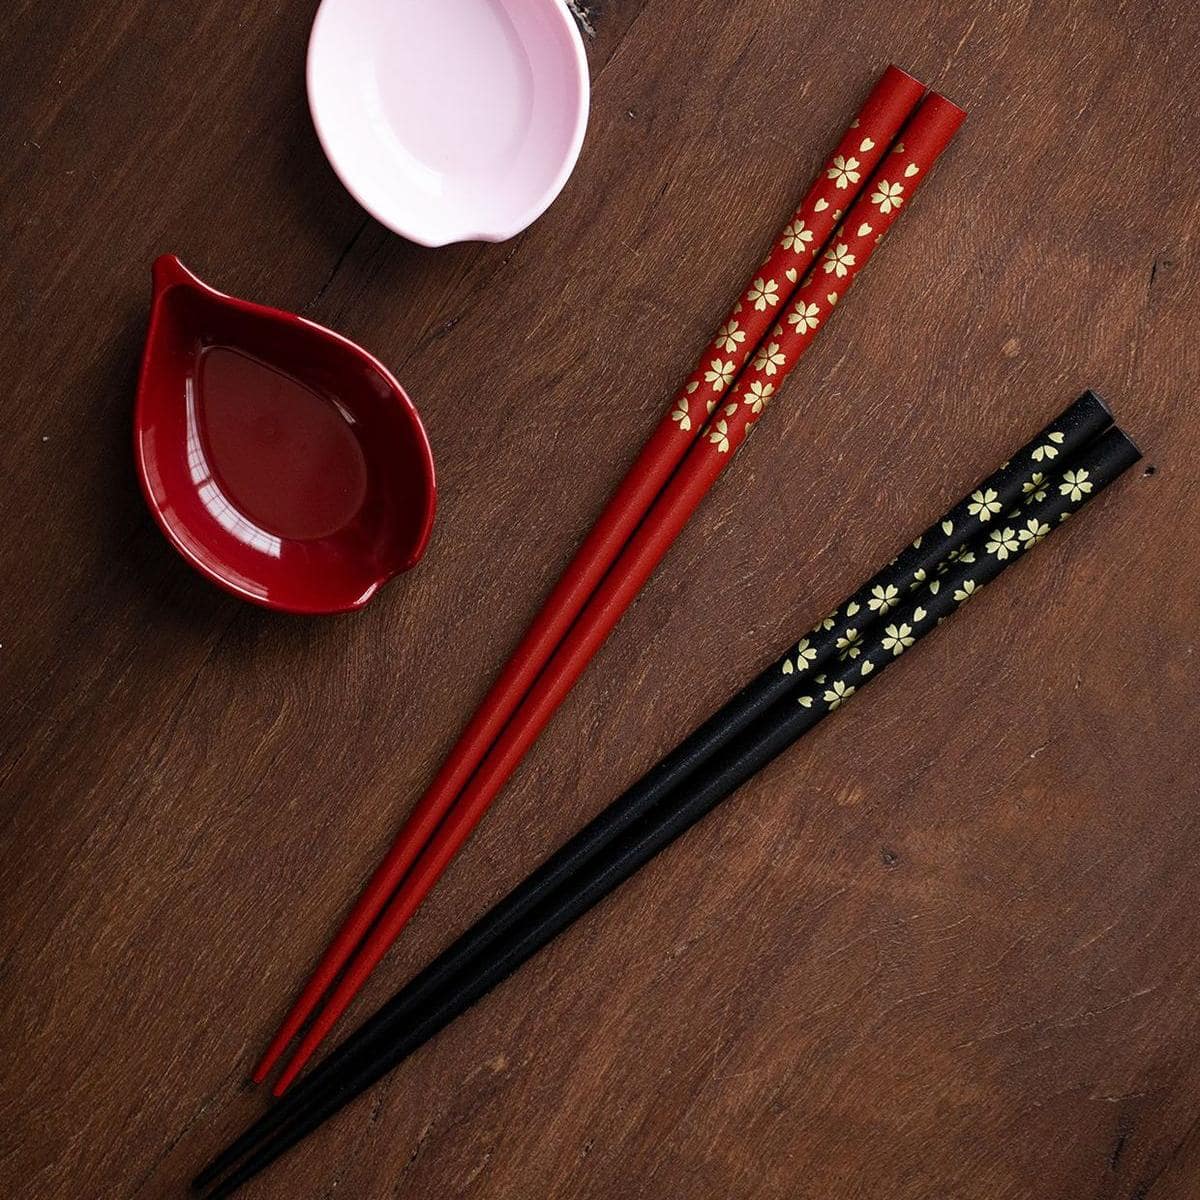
674,470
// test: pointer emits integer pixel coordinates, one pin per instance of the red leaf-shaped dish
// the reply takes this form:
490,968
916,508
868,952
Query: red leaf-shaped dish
281,460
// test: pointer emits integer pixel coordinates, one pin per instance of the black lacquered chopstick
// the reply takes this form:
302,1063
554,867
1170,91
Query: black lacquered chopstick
1047,504
1073,428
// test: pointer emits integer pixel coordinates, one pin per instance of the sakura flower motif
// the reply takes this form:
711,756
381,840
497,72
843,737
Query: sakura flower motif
719,436
758,396
839,260
763,294
883,598
1002,543
797,236
985,504
1075,485
1034,487
888,196
836,694
919,614
680,415
850,644
730,336
963,554
1049,449
804,317
844,171
719,374
769,359
898,638
805,654
867,667
827,624
1033,532
964,593
804,701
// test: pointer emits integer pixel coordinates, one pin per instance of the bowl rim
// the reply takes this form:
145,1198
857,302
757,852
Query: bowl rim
168,272
533,210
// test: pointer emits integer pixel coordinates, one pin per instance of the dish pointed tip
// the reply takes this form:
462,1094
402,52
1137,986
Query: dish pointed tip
169,271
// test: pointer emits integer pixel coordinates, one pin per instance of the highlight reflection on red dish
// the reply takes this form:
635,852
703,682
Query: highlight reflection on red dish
281,460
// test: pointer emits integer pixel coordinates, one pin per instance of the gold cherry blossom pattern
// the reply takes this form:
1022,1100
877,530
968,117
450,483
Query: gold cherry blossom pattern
1048,449
985,504
884,597
719,436
730,336
720,372
1002,543
758,395
844,170
763,294
679,414
804,317
839,260
836,694
797,237
769,359
849,644
888,196
805,656
897,638
1075,485
965,591
1032,533
1034,487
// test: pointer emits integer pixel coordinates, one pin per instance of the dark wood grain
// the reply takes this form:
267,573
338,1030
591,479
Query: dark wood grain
945,948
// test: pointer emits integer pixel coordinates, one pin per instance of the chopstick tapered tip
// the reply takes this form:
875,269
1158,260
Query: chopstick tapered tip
260,1072
285,1080
203,1179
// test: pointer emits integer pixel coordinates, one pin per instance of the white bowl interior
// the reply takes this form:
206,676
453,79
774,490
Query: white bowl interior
449,120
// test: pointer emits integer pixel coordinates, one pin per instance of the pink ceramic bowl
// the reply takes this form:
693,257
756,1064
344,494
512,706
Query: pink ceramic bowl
449,120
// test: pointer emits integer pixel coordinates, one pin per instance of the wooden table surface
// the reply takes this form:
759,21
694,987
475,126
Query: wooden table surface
947,947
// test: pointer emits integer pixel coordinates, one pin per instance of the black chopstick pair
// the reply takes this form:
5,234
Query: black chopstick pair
1066,465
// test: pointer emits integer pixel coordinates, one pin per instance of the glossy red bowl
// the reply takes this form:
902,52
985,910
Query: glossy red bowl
284,462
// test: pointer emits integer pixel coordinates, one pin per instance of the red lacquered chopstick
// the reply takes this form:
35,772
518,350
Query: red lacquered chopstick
922,140
862,146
